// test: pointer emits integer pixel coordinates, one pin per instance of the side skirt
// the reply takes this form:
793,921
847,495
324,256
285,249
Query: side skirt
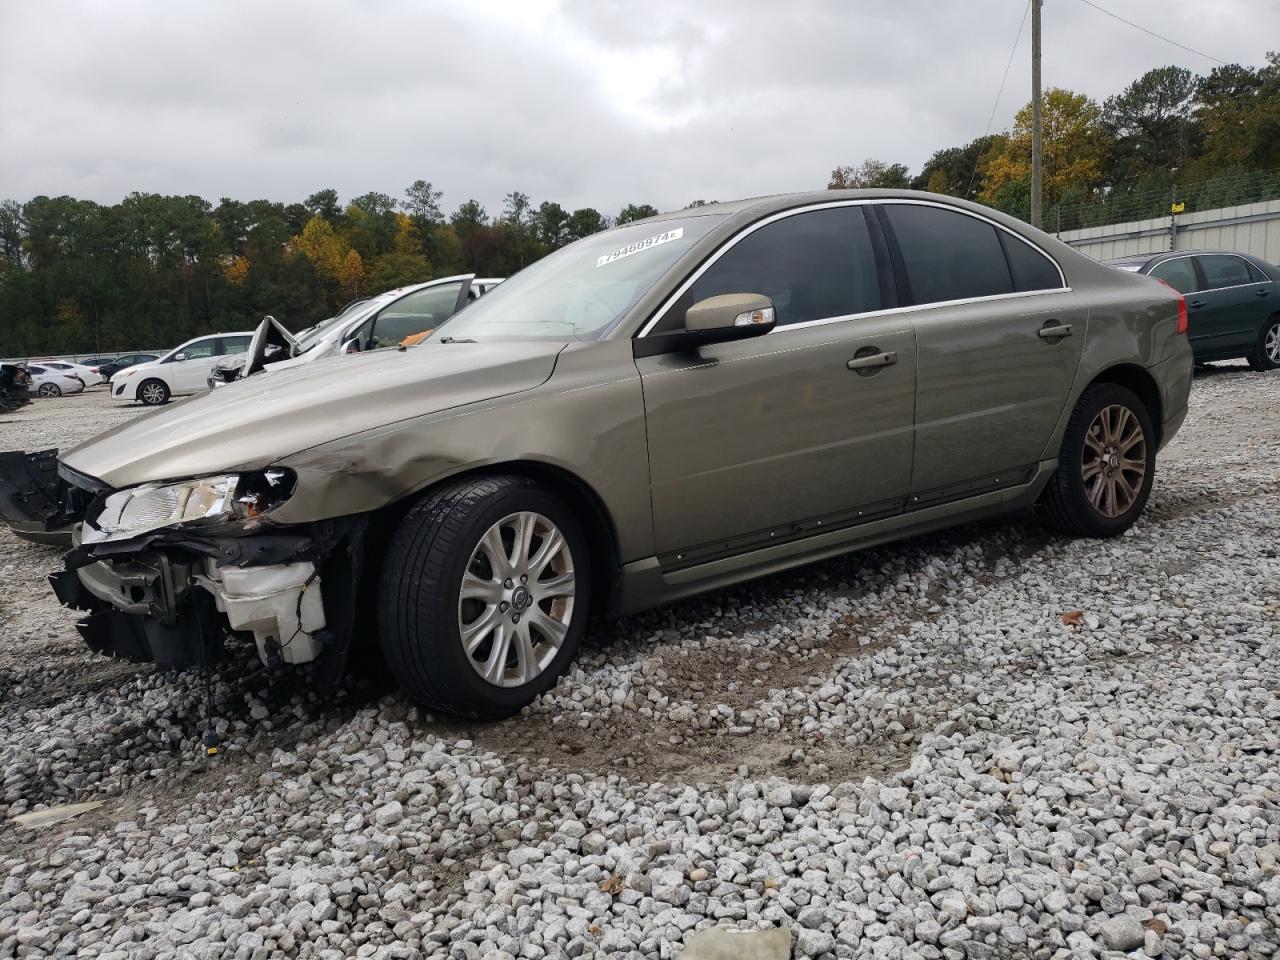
647,583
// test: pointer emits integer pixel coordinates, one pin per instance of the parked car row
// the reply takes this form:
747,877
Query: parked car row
399,317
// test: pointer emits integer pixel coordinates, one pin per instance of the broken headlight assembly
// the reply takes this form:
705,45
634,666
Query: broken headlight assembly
234,503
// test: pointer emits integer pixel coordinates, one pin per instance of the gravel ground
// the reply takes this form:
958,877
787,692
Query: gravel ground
986,743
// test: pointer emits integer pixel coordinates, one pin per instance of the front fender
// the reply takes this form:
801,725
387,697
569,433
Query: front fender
586,420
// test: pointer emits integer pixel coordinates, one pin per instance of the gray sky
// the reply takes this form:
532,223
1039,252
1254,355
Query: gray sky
587,102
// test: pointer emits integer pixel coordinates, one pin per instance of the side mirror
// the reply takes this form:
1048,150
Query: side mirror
179,357
730,316
351,346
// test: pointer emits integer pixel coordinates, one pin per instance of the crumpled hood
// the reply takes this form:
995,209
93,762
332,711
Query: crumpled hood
254,422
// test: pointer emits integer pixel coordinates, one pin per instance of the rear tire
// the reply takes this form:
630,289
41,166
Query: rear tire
50,390
1266,352
1106,465
520,635
153,392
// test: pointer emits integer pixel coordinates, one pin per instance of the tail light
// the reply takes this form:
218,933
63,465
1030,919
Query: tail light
1182,307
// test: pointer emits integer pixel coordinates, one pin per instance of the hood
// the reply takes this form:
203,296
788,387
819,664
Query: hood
252,423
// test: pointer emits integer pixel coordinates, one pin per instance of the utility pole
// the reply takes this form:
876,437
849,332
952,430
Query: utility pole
1037,153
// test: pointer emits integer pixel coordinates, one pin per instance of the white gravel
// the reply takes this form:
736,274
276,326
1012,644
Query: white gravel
905,753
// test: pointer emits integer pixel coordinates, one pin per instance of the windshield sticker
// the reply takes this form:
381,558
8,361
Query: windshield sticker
639,245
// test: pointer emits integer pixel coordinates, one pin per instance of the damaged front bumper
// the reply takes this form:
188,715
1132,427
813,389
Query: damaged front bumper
172,607
172,595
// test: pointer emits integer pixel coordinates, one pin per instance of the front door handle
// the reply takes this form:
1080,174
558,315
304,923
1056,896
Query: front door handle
873,360
1055,331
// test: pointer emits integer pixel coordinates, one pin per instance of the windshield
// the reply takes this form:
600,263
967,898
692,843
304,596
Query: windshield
309,337
579,292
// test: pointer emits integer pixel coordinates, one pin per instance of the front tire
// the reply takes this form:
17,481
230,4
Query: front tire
153,392
50,390
484,596
1266,352
1106,465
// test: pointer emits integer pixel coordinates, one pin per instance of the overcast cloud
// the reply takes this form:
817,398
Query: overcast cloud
586,102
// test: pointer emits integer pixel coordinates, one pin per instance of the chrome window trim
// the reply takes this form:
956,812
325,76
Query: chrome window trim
728,245
1211,253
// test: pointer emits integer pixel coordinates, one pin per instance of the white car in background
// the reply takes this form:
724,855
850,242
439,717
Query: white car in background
90,376
47,382
404,315
181,371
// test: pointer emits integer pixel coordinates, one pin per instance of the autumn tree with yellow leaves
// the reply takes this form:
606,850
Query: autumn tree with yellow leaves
1075,148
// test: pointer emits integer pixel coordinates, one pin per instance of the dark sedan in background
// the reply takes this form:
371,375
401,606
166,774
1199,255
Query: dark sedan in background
109,370
1233,301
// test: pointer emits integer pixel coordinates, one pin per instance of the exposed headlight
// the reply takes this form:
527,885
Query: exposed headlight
232,499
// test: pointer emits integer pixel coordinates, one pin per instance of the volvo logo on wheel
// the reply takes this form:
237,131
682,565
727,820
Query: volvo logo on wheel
520,599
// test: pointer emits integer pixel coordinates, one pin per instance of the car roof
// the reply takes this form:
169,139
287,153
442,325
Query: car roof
1150,258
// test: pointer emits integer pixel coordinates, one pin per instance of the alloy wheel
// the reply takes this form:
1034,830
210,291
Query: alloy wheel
153,393
49,390
1114,462
516,599
1271,345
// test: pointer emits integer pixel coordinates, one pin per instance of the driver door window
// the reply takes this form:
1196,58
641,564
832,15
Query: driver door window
418,312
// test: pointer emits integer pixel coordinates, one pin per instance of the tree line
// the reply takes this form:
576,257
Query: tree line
1165,133
151,271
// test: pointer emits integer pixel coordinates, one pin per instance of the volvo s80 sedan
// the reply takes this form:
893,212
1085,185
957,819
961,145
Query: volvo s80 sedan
664,408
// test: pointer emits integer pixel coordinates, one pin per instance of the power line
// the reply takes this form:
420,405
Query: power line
1152,33
999,93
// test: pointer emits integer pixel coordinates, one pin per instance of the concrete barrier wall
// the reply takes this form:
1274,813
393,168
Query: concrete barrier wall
1252,228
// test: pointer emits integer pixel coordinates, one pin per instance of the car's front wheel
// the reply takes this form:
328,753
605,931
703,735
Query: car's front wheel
1266,352
483,596
1106,465
153,392
50,390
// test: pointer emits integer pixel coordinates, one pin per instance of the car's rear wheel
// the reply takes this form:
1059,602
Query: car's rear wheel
484,596
1266,352
50,390
1106,465
153,392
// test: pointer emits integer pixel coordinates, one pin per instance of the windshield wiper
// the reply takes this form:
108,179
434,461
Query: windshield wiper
455,340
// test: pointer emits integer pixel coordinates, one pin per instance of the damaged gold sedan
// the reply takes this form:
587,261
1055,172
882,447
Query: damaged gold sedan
654,411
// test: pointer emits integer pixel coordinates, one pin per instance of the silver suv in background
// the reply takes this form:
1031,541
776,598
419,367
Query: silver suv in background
403,316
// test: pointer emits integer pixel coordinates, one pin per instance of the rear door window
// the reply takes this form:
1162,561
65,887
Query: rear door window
235,344
1179,274
813,266
948,255
1221,270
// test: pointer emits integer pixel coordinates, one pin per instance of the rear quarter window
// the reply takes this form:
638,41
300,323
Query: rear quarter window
1031,269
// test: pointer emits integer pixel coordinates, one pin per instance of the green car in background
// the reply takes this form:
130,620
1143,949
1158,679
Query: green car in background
1233,301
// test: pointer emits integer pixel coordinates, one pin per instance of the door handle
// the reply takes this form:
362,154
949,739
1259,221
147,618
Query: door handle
1054,331
1263,293
1196,304
873,360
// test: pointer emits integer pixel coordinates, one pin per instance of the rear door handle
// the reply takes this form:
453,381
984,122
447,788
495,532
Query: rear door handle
1196,304
1055,331
874,360
1264,293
